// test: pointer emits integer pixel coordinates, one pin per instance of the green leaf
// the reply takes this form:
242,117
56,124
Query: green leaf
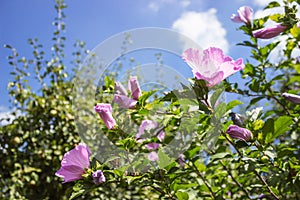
273,4
215,96
275,17
170,96
77,191
287,151
111,159
233,104
121,170
184,186
255,85
295,31
220,110
268,130
126,144
282,125
219,156
182,195
246,43
164,159
186,104
142,99
200,165
76,194
131,179
273,129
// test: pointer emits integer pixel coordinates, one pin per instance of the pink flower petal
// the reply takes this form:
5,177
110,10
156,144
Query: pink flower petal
134,87
269,32
245,15
124,101
211,65
161,136
74,163
119,89
105,112
236,18
237,132
292,97
152,146
146,125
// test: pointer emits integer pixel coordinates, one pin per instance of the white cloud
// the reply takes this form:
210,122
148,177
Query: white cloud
277,53
262,3
204,28
5,116
156,5
263,13
276,10
185,3
270,11
153,6
3,109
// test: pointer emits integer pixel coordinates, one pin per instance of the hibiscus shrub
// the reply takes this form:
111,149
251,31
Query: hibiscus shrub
253,154
181,144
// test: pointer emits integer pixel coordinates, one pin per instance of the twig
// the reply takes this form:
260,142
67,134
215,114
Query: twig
205,182
266,184
236,182
236,149
255,172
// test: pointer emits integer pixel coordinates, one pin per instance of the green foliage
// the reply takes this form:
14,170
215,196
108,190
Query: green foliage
212,166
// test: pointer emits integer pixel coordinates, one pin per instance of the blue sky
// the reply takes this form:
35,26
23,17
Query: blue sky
93,21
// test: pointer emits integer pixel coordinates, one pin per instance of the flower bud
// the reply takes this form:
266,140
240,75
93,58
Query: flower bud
237,119
105,112
134,87
161,136
292,97
152,146
124,101
237,132
269,32
181,160
119,89
245,15
98,177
